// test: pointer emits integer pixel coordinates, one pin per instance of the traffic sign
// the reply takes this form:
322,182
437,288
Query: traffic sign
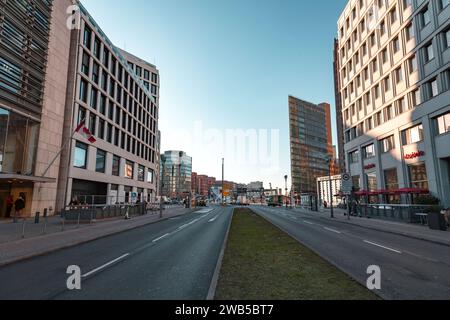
347,183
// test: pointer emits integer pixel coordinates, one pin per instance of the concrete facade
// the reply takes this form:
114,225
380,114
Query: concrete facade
395,89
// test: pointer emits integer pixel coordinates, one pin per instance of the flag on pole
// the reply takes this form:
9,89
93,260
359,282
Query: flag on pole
84,131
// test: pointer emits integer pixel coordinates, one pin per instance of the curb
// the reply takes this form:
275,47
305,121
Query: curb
215,278
49,251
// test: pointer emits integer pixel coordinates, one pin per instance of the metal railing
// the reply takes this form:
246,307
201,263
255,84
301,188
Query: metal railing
396,212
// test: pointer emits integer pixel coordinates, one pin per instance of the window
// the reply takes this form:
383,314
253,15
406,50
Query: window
391,183
413,64
387,144
139,71
146,75
80,156
387,84
354,156
399,75
87,37
94,98
369,151
92,123
407,4
101,129
396,45
100,162
394,15
141,173
429,52
382,28
85,64
425,16
447,38
417,100
413,135
116,166
384,56
83,90
129,170
95,72
388,115
432,88
410,32
97,48
150,175
444,4
401,105
418,176
443,123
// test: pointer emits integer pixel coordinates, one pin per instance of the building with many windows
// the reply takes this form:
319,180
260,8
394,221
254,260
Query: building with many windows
394,75
176,174
34,55
311,144
107,95
202,184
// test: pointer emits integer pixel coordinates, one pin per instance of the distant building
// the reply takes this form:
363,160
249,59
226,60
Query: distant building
202,184
311,144
323,190
176,173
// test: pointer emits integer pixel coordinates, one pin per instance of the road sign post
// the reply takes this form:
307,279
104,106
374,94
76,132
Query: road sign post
347,187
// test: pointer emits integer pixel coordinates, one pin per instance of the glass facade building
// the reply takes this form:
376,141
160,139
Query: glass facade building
310,144
176,173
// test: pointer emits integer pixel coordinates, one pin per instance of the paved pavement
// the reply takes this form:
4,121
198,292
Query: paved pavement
172,259
411,268
14,248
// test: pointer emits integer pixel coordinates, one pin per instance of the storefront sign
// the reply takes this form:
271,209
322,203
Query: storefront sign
370,166
414,155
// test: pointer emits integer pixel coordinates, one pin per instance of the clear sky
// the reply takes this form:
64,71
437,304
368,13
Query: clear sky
229,64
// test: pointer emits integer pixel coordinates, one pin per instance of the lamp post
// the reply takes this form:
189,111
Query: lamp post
286,188
223,182
161,185
329,161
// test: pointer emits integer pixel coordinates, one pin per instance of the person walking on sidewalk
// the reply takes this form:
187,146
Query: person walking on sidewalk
9,206
19,205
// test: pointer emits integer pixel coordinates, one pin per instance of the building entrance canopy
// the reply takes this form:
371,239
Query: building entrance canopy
17,178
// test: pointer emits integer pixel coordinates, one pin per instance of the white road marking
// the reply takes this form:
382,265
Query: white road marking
162,237
308,222
380,246
332,230
105,265
213,219
205,211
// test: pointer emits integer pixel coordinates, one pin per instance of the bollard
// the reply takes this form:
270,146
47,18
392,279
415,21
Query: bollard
37,217
23,228
45,220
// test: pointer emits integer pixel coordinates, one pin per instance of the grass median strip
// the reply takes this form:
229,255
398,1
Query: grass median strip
262,262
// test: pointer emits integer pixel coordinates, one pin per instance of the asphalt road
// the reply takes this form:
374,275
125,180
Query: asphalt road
410,269
173,259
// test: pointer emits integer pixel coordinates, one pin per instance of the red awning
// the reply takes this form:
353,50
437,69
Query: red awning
411,191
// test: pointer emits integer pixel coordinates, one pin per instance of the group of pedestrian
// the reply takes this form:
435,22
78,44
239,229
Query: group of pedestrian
18,205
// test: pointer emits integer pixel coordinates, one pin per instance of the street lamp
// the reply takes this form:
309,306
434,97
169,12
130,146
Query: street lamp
286,188
161,185
329,161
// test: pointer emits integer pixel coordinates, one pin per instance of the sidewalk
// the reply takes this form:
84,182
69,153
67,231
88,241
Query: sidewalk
405,229
13,249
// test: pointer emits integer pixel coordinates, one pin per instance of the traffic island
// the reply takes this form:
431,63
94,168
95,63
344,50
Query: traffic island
261,262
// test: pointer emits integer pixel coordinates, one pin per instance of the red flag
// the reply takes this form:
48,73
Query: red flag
84,131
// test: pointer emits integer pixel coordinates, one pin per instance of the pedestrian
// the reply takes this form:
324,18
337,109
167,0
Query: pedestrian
19,205
9,205
325,204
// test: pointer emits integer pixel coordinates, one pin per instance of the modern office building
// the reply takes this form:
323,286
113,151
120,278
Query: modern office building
106,94
323,190
394,60
338,101
34,55
176,173
311,144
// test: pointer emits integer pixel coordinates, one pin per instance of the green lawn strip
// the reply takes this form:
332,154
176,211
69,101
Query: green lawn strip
261,262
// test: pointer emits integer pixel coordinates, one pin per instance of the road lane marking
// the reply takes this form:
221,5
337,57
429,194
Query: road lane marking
205,210
308,222
214,219
380,246
332,230
105,265
162,237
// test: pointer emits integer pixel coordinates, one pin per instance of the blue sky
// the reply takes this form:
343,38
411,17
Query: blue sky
228,64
